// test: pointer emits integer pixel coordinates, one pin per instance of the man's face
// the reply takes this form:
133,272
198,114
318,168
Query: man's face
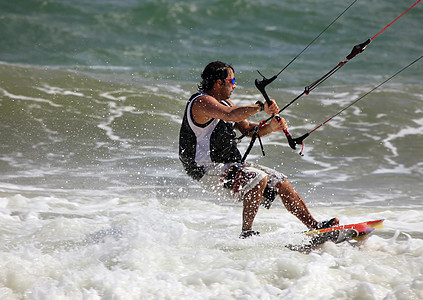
228,87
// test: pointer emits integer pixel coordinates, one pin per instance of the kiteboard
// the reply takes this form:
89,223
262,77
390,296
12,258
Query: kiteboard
342,233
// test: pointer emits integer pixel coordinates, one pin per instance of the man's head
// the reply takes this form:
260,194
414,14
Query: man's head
213,72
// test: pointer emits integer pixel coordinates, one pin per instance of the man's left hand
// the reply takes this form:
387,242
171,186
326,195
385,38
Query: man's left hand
278,124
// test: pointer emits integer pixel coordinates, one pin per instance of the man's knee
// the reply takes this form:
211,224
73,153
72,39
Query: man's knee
284,187
263,183
258,190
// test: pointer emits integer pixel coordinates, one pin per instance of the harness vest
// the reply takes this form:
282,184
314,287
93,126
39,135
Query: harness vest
202,144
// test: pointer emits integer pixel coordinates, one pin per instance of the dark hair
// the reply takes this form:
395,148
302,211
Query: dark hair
212,72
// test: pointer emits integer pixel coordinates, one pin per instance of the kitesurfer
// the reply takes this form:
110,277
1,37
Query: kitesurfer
209,153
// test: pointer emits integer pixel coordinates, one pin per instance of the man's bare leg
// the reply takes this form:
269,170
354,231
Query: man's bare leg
296,205
252,201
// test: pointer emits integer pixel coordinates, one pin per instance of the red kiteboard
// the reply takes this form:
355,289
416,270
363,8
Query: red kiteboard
337,234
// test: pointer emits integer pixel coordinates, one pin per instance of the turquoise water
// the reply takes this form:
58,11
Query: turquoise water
94,203
175,39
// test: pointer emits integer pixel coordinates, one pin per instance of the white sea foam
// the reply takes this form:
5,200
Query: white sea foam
115,112
403,132
28,98
132,248
53,90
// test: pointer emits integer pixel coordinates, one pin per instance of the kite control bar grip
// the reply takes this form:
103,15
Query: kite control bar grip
297,141
261,86
291,141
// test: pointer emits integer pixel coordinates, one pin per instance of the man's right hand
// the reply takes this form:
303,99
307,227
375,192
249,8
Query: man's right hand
272,109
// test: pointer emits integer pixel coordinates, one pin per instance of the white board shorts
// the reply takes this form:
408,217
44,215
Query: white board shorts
234,180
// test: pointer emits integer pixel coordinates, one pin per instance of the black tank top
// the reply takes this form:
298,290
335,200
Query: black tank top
202,144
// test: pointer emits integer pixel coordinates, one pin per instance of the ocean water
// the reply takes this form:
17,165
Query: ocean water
94,203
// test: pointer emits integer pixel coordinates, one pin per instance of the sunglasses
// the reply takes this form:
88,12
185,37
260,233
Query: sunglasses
231,80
